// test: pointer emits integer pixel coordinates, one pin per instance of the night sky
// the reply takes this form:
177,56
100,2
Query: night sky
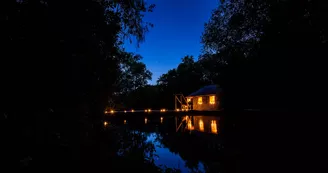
178,25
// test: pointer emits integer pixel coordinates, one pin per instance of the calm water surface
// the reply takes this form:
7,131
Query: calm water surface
249,142
187,143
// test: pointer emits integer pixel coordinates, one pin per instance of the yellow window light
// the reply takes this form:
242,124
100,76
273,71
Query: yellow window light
200,100
201,125
212,100
188,100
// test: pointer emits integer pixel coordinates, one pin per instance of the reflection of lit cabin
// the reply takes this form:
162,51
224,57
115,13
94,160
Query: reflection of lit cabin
207,124
205,99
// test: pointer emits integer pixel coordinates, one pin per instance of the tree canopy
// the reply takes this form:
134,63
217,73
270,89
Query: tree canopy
59,49
273,52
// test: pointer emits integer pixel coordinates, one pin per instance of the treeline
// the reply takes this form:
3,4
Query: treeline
189,76
66,57
275,53
265,54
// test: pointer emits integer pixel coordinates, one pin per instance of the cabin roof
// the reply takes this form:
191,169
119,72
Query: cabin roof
207,90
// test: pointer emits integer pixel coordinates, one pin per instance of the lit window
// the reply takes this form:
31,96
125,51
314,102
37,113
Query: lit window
188,100
212,100
200,100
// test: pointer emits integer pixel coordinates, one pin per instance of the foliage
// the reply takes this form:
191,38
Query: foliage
68,50
59,62
133,74
266,47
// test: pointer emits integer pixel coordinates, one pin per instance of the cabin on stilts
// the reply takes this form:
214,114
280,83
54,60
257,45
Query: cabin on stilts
205,99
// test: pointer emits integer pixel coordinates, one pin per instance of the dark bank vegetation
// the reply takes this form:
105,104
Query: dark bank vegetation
61,61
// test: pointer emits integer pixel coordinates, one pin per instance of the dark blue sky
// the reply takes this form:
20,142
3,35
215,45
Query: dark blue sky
178,25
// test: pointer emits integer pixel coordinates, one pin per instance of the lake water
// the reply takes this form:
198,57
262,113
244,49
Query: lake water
250,142
187,143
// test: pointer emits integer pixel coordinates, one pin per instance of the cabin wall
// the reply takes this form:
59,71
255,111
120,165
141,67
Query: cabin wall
206,106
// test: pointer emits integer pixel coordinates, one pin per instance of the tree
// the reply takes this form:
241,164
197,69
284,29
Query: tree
73,49
188,77
266,46
133,73
59,62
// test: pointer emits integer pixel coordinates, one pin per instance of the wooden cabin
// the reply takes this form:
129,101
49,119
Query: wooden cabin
205,99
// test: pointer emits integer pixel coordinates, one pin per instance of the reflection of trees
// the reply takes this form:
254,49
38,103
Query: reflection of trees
132,151
195,148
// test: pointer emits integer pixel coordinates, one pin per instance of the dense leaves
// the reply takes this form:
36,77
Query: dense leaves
273,50
59,54
133,74
60,61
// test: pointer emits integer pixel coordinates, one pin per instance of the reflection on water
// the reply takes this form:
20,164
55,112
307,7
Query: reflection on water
225,144
189,125
195,151
201,125
105,123
214,128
